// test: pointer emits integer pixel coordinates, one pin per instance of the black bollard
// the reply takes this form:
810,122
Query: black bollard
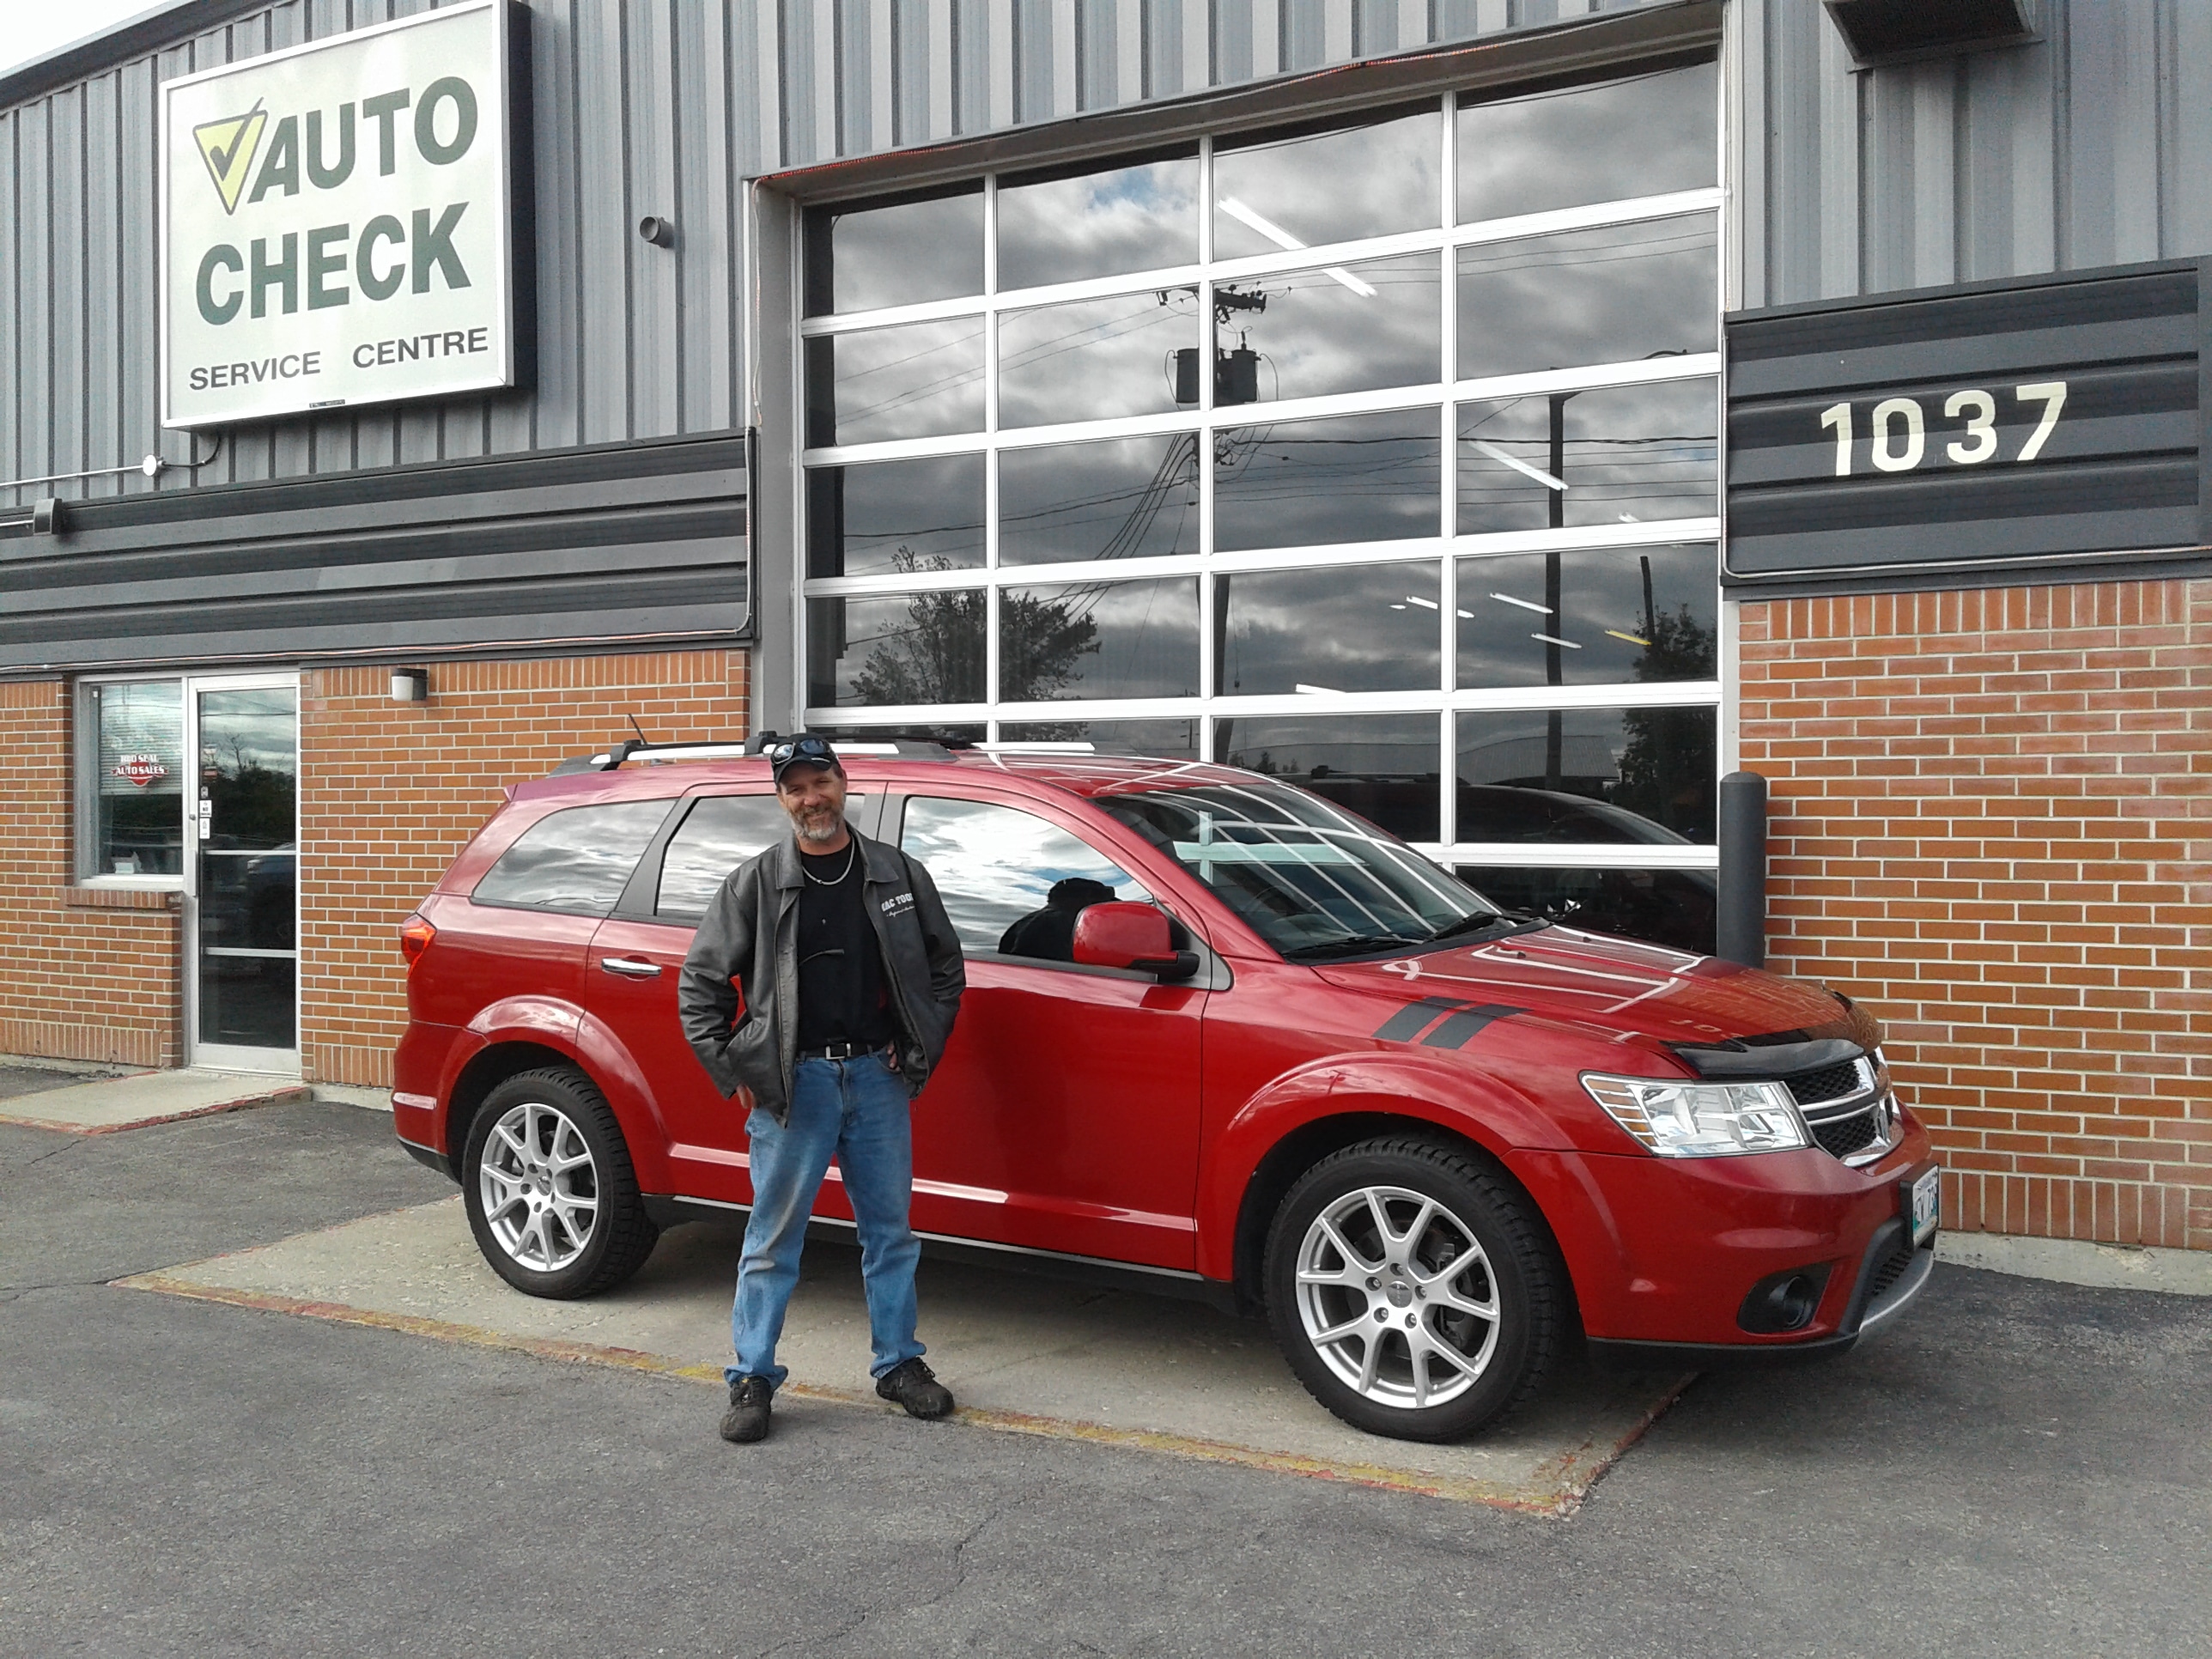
1740,917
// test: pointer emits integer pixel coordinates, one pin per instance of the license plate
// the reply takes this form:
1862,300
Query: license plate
1927,1206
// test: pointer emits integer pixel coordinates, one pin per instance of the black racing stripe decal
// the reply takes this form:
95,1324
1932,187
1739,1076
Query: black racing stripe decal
1465,1024
1402,1026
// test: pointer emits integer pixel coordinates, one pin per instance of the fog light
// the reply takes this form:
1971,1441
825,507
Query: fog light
1786,1300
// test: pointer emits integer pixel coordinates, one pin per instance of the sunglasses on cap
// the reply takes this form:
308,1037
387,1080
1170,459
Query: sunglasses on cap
807,750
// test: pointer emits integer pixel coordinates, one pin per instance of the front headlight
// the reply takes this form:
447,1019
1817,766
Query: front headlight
1700,1120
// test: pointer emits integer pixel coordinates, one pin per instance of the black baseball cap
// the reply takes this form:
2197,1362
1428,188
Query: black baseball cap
806,749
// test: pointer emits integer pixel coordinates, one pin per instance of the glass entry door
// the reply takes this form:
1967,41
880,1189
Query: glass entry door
242,987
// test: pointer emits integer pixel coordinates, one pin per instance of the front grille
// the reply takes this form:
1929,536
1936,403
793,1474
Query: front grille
1842,1136
1829,1083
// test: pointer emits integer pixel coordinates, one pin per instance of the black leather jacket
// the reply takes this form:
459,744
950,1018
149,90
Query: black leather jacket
751,935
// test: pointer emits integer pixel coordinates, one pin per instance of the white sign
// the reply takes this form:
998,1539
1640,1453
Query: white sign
335,222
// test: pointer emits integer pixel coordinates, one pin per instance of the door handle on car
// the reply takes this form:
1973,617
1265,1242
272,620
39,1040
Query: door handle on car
630,967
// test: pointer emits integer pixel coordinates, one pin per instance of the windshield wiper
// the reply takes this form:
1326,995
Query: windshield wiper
1351,942
1482,918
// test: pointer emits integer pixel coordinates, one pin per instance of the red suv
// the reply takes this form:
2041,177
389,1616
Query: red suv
1222,1039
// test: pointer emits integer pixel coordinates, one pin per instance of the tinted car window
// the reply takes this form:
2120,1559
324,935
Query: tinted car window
719,834
1009,879
576,860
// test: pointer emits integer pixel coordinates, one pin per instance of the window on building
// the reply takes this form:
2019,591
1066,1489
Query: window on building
131,779
577,860
1399,432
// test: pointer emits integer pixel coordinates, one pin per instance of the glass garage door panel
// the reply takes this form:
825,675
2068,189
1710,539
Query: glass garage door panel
245,954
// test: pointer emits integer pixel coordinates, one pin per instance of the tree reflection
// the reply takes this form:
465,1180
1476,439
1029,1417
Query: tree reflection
1667,764
938,655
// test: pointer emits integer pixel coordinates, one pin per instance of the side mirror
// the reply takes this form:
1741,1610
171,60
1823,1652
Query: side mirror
1130,935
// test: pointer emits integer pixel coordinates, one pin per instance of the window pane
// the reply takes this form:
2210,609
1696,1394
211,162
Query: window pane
1133,498
919,381
1382,631
1094,359
1614,616
971,732
858,259
1627,454
577,860
1161,739
1673,907
1305,190
138,759
1608,775
1099,640
1642,137
899,515
1355,478
719,833
249,769
1097,224
1383,767
996,866
1348,328
902,648
1616,294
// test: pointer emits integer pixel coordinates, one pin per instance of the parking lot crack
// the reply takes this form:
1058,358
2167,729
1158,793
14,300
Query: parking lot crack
895,1600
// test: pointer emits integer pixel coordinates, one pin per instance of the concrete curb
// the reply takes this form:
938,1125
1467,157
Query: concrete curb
2076,1262
278,1096
1563,1483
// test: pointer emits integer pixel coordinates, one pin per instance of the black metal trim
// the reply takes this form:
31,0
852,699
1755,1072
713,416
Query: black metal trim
671,1209
430,1158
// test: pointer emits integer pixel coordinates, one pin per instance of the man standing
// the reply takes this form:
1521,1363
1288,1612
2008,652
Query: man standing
851,975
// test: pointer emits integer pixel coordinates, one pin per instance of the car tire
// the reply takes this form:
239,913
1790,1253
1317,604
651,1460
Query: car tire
551,1196
1413,1289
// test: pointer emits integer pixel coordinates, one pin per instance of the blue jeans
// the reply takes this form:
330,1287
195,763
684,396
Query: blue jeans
858,1111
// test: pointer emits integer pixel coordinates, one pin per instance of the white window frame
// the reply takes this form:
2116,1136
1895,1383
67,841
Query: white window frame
1447,699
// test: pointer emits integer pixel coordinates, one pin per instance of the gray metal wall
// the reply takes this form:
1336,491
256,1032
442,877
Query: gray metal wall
2091,147
659,106
633,101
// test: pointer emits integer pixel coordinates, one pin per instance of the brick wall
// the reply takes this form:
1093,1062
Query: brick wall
390,792
96,973
1991,819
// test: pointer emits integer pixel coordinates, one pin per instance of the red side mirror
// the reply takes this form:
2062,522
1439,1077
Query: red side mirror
1130,935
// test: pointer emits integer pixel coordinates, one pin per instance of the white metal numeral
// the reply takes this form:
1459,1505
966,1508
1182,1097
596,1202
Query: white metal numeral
1981,426
1838,416
1886,412
2052,394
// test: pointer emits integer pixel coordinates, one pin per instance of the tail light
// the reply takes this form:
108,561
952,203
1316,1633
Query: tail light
415,936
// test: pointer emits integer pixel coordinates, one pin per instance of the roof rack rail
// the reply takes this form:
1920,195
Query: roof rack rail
630,749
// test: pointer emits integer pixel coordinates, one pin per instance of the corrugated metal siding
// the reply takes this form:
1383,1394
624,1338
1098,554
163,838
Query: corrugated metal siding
640,106
2090,147
842,78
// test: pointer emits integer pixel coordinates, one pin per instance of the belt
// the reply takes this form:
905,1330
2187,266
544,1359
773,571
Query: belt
844,1050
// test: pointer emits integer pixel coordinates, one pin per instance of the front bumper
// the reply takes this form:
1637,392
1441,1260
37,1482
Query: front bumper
1664,1253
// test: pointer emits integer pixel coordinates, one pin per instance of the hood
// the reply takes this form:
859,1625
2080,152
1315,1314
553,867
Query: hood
1618,988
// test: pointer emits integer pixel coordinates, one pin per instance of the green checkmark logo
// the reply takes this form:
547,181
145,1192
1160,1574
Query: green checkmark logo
228,146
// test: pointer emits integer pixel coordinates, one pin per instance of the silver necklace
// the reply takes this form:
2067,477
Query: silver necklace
851,849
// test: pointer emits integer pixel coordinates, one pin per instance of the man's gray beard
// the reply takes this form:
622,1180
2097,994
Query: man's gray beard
827,831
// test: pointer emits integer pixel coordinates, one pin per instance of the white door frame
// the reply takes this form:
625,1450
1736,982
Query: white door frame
219,1056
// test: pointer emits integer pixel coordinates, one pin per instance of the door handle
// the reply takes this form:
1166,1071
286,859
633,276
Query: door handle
630,967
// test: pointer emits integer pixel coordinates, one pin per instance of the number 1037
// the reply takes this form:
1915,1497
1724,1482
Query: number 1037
1898,441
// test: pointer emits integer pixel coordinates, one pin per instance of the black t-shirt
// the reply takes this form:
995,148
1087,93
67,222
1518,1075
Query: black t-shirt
841,994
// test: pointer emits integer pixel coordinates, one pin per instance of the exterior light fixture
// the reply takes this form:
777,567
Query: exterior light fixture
660,232
411,685
1889,31
46,516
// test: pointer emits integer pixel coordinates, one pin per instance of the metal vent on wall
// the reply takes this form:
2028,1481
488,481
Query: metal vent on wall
1887,31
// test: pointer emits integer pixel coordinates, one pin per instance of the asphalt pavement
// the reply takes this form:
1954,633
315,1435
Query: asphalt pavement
2019,1468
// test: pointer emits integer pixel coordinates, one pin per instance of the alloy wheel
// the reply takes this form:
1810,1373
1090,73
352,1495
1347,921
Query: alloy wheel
539,1187
1397,1297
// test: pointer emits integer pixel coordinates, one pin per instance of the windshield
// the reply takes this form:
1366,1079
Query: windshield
1313,881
